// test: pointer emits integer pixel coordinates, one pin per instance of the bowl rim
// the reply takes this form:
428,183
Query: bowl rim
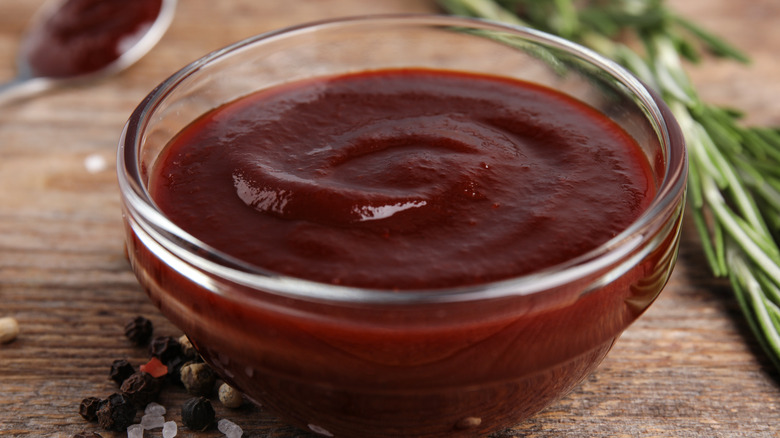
196,257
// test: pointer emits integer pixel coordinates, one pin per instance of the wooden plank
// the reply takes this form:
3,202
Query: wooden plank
688,368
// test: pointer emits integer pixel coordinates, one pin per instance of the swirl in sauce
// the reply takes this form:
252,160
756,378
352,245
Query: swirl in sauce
404,179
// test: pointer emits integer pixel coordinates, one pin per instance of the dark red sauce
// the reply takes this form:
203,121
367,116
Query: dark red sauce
404,179
87,35
487,178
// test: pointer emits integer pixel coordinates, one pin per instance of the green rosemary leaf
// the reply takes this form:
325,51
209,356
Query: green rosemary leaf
768,168
720,249
565,21
600,22
707,245
735,113
481,9
771,136
686,49
715,44
757,146
748,293
720,134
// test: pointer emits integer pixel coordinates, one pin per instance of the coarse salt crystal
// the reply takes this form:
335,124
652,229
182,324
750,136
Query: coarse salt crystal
229,428
135,431
152,421
169,429
320,430
154,409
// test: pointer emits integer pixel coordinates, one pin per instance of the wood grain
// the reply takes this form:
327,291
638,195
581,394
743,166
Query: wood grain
688,368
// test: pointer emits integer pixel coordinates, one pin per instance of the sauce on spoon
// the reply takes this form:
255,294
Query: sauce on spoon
79,40
84,36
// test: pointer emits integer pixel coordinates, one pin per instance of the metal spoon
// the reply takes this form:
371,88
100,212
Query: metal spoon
29,82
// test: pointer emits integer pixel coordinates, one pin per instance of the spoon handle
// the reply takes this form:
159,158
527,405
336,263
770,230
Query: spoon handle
22,87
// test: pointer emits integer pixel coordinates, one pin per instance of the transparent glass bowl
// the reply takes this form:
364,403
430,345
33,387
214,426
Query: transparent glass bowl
351,362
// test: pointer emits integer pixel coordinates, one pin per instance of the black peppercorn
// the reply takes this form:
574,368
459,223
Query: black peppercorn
121,370
174,368
88,408
116,412
198,378
197,414
141,388
85,434
139,330
165,348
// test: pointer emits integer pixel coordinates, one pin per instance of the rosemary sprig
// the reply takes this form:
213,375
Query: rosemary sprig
734,170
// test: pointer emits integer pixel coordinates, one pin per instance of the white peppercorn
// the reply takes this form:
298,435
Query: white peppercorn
230,397
198,378
186,348
9,329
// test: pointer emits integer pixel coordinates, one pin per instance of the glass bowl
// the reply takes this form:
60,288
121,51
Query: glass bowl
351,362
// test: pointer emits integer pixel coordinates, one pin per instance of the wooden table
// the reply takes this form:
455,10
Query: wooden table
688,368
